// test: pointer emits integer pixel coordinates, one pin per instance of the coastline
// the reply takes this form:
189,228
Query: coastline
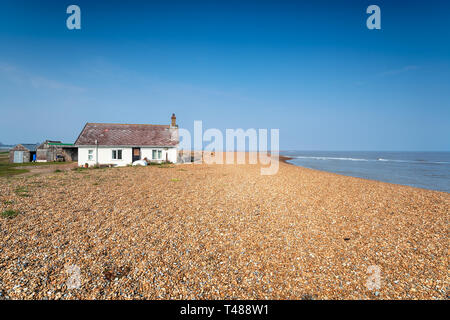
223,232
285,159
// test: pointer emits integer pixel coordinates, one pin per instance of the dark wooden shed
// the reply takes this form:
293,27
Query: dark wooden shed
51,150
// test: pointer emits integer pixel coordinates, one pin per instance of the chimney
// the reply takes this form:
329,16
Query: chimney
174,121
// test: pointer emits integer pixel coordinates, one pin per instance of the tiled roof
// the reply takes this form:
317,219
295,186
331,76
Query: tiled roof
109,134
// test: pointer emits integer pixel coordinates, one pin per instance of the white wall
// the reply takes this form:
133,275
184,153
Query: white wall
171,154
147,153
105,155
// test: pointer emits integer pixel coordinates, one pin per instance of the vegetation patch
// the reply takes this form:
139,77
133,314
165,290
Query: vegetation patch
7,170
175,179
22,191
39,164
38,184
9,214
165,165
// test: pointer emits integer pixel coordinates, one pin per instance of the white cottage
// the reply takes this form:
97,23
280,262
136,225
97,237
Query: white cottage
122,144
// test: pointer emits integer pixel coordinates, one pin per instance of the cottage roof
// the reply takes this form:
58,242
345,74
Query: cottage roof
114,134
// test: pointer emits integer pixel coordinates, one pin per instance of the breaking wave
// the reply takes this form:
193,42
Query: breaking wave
379,159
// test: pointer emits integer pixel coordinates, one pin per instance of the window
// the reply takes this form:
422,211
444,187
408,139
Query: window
117,154
90,154
156,154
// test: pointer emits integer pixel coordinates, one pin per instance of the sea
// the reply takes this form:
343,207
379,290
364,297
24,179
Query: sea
428,170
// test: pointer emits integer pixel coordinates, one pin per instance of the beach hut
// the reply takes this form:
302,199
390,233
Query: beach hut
23,152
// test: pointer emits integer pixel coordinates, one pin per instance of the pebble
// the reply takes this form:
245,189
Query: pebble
220,231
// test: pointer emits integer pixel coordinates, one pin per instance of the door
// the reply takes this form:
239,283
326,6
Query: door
18,156
136,154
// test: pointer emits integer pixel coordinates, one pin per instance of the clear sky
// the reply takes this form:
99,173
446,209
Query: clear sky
311,69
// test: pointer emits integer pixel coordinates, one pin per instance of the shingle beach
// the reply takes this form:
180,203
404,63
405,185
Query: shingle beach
198,231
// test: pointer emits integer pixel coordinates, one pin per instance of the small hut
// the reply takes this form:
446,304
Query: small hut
23,152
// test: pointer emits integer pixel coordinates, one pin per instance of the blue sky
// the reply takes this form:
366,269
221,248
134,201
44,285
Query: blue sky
311,69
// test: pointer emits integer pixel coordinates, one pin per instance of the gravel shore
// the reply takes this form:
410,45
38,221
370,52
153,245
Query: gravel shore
220,232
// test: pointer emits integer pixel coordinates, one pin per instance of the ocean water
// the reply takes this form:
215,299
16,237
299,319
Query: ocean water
428,170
